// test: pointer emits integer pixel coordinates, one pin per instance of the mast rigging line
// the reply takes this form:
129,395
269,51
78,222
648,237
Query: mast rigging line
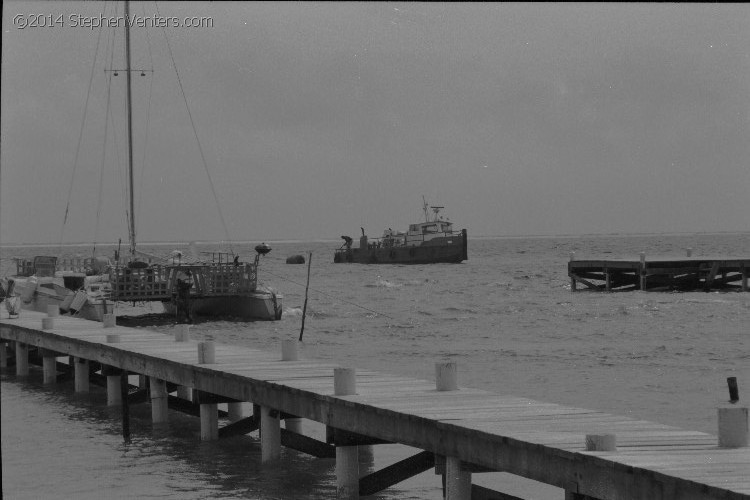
80,139
195,132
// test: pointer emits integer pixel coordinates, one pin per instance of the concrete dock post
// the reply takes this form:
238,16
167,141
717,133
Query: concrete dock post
53,310
573,283
114,393
457,481
601,442
81,374
235,411
289,350
3,355
109,320
733,426
347,457
182,334
22,359
643,271
49,366
293,425
270,434
446,376
209,422
159,400
48,323
206,353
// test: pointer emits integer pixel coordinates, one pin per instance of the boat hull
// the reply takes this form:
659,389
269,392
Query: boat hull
450,250
259,305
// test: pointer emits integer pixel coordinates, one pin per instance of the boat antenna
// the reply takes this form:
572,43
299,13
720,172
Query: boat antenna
425,206
131,229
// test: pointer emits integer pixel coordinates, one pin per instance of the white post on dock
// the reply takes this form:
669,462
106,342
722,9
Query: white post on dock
347,457
49,366
159,400
48,323
270,435
53,310
733,426
689,251
457,480
109,320
289,351
206,353
22,359
81,374
446,376
601,442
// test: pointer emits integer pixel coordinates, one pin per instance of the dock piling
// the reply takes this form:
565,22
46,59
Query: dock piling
22,359
3,355
81,374
457,480
159,399
289,350
347,457
206,353
49,366
270,434
182,333
209,422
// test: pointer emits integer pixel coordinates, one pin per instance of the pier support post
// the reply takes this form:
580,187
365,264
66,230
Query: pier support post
81,374
184,392
744,279
733,426
347,457
270,434
159,399
22,359
293,425
642,270
235,411
3,355
457,481
49,366
209,422
114,393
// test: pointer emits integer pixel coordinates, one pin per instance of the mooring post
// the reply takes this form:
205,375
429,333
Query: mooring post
733,426
347,457
446,376
270,434
22,359
81,374
49,366
206,352
601,442
159,401
457,481
290,352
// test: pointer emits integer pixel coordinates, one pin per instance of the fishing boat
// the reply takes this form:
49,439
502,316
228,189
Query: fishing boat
429,242
222,285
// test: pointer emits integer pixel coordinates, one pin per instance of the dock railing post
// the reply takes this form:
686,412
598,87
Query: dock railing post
347,457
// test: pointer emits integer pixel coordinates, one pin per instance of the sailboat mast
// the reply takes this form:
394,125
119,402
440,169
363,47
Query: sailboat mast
131,229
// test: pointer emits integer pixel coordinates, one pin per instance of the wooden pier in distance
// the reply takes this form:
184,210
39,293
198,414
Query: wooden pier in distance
660,274
590,454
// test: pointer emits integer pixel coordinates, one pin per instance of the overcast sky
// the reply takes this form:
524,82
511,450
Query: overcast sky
318,118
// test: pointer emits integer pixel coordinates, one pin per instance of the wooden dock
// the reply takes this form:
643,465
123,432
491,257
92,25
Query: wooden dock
661,274
588,453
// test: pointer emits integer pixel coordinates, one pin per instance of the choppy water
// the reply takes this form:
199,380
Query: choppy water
507,316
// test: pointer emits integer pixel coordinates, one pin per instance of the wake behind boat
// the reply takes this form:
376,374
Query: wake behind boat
429,242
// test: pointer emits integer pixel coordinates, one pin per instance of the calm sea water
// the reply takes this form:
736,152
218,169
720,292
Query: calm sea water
506,316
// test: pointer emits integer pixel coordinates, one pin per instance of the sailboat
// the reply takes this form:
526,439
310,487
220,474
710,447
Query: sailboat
220,286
